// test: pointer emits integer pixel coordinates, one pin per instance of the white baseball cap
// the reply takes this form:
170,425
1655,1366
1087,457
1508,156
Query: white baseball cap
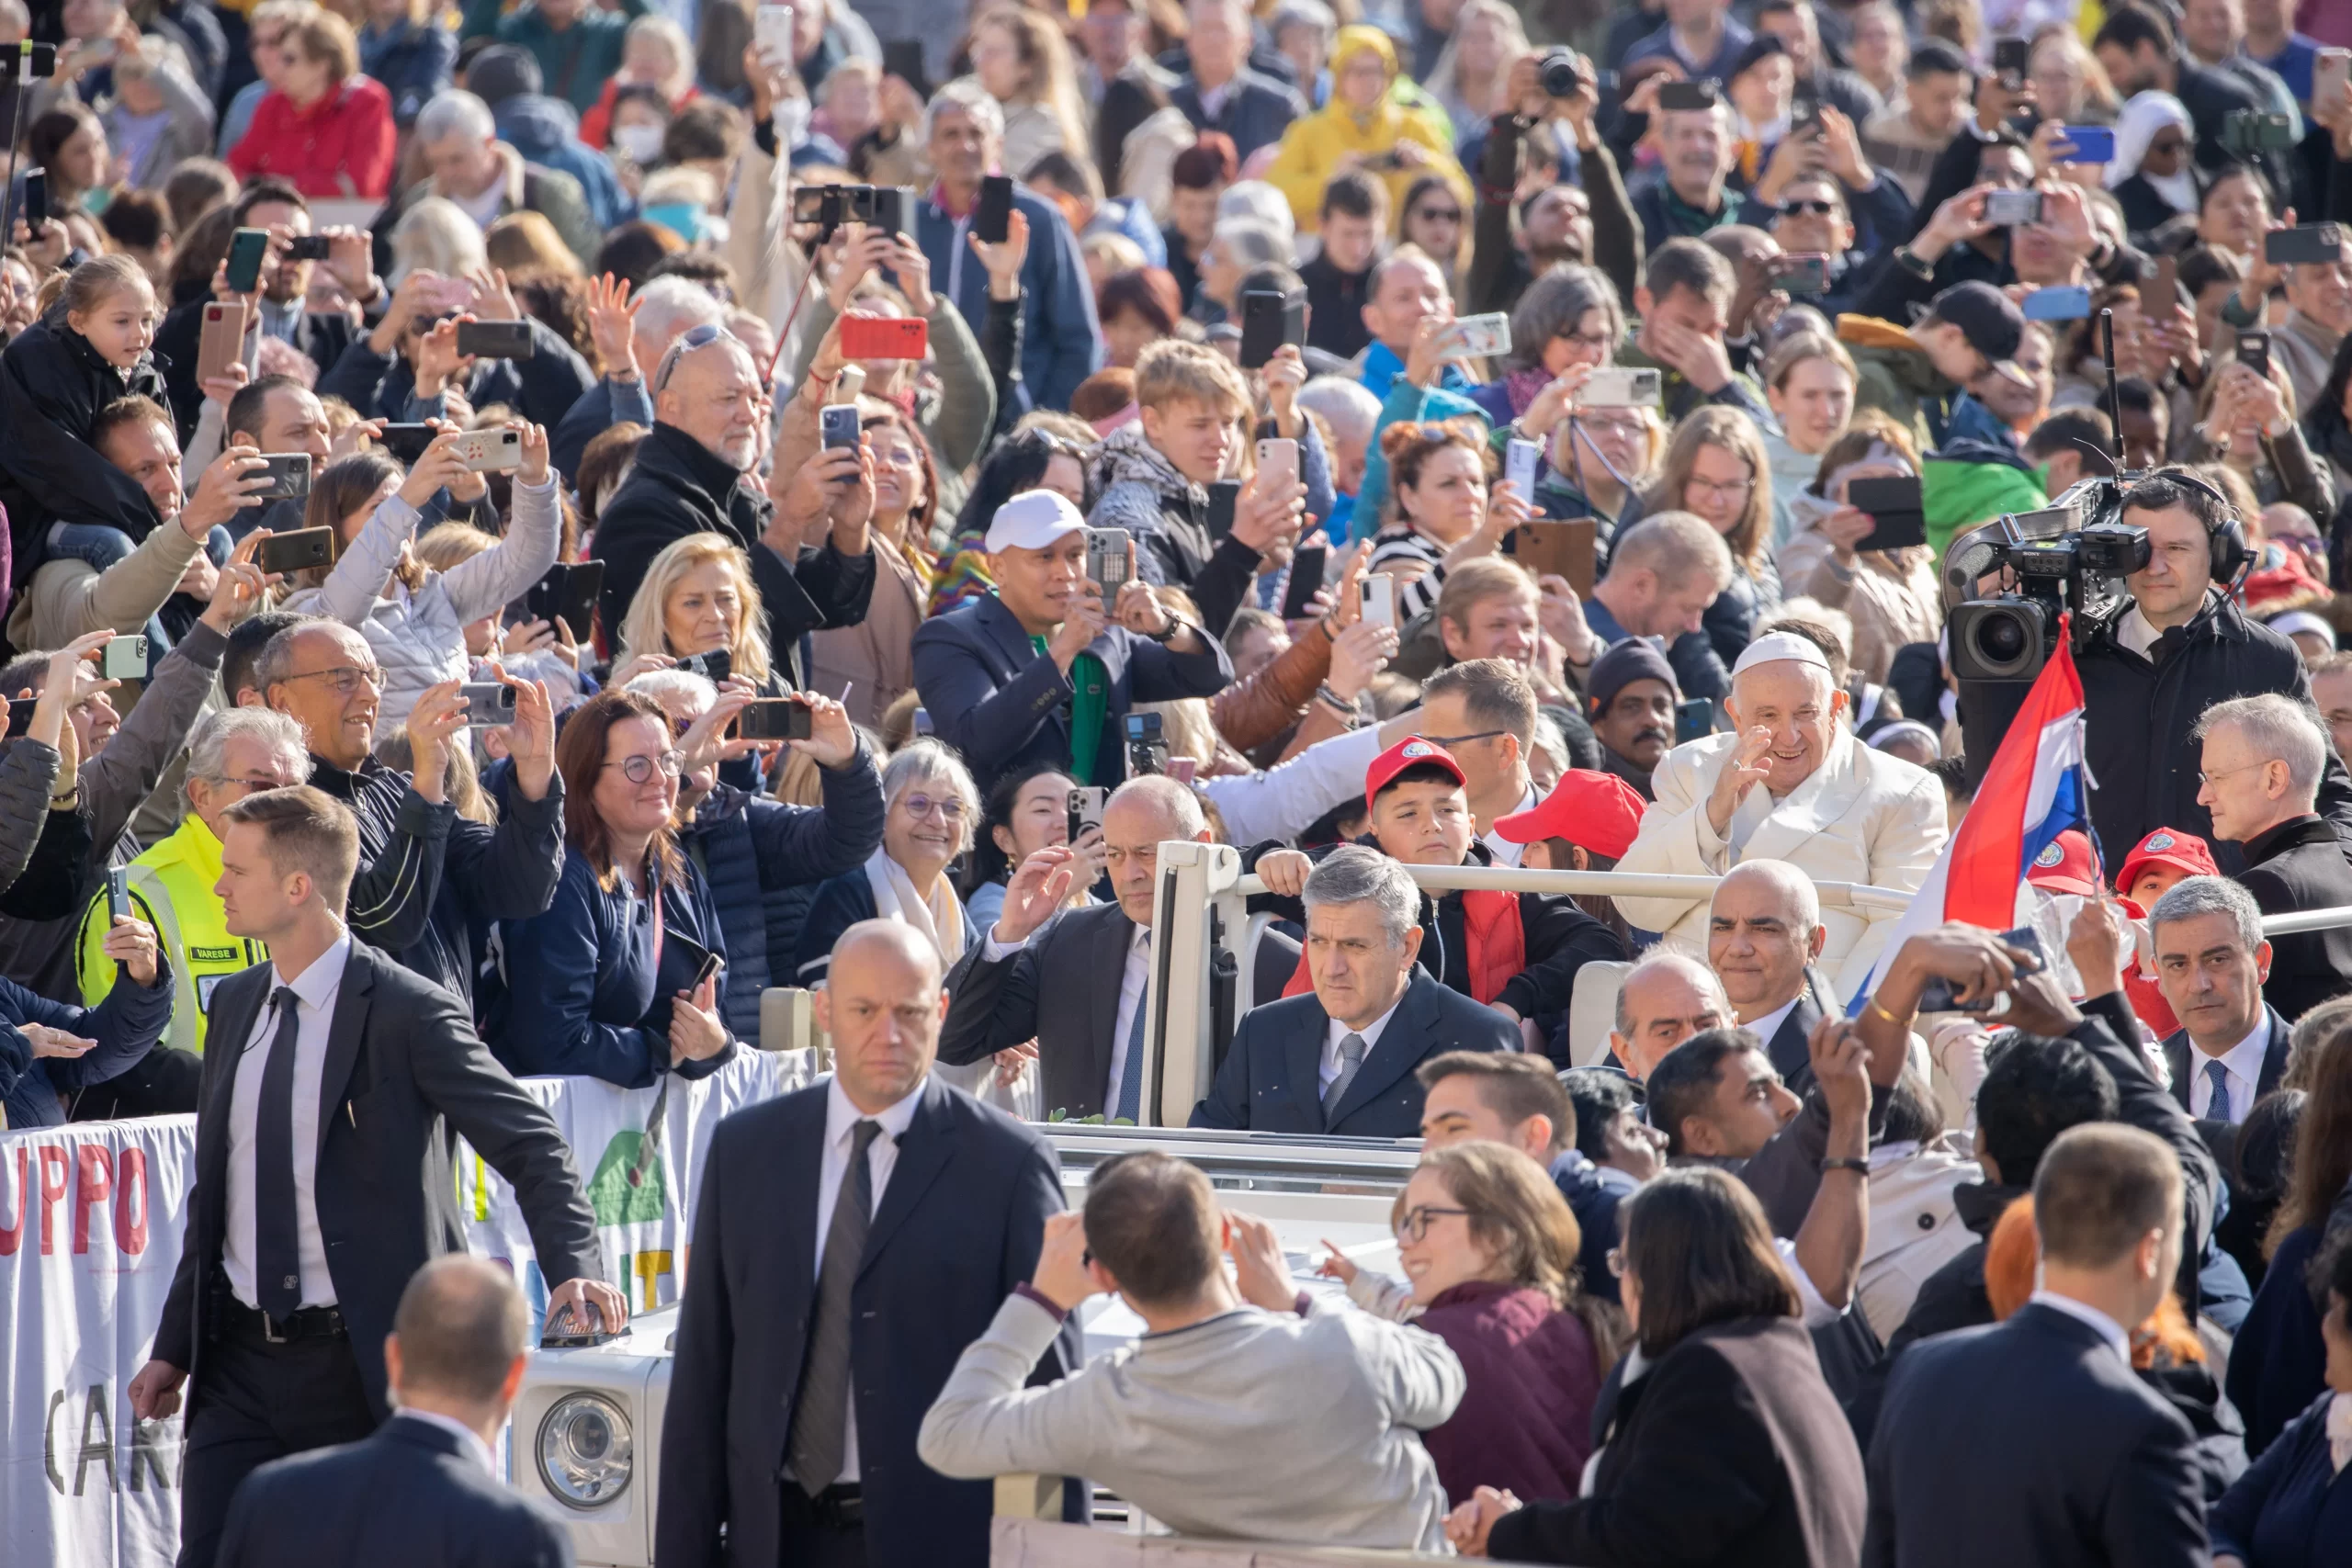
1773,647
1034,520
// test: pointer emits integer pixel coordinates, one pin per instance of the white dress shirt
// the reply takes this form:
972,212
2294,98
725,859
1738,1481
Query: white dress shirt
315,989
473,1444
881,1158
1770,1024
2240,1064
1132,981
1334,1031
2083,1311
1502,849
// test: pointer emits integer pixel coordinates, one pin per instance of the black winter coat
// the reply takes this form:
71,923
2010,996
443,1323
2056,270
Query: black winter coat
2302,865
2141,713
52,385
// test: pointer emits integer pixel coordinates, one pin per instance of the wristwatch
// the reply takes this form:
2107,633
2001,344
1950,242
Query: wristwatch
1859,1167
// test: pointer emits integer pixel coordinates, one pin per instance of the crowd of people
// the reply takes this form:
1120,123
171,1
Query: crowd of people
551,520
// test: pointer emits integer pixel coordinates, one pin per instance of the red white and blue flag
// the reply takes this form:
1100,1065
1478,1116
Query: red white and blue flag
2034,790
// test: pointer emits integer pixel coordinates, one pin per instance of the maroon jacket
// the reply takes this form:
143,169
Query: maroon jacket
1525,1420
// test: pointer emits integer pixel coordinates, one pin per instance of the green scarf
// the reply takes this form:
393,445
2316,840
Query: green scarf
1090,701
1686,220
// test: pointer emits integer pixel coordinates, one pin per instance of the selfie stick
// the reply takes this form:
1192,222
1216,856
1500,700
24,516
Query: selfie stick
2114,402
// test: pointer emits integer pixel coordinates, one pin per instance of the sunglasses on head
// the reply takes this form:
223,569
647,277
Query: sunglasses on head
688,341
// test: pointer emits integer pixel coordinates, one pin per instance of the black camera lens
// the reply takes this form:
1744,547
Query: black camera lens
2000,639
1559,73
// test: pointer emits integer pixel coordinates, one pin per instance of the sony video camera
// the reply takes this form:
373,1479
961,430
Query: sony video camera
2070,556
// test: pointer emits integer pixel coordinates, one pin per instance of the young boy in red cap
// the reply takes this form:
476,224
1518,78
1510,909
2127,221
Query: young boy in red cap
2162,858
1518,954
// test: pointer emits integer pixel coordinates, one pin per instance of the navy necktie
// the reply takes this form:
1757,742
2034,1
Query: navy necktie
277,1248
1130,1104
2218,1107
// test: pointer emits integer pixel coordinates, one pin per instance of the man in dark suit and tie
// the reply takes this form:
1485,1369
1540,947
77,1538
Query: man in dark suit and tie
1764,931
1342,1060
1042,671
425,1490
334,1091
2230,1049
2032,1443
1093,963
871,1226
2263,758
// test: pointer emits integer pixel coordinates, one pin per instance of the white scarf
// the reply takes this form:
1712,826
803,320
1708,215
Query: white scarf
941,921
2339,1430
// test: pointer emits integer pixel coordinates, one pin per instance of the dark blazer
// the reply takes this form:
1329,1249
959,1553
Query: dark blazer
1003,705
2186,1061
958,1227
1270,1081
409,1076
410,1496
1791,1046
2293,1509
2087,1462
1256,111
1729,1449
2301,866
1079,958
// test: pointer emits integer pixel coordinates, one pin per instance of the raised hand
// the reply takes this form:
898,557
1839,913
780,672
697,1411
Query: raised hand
1743,771
1036,890
612,326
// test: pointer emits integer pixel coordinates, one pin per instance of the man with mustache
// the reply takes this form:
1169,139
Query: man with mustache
1631,696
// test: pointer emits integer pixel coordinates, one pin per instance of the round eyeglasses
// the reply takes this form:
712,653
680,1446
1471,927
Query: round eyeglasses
639,769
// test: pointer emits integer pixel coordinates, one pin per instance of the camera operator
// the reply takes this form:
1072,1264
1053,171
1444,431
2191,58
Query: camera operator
2183,646
1502,265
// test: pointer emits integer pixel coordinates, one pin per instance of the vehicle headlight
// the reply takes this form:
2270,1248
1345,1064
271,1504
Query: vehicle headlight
584,1449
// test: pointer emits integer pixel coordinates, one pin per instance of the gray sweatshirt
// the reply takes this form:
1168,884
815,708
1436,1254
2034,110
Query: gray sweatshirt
1252,1425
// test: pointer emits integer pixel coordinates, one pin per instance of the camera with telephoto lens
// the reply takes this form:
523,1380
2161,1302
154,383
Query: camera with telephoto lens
1557,70
2070,556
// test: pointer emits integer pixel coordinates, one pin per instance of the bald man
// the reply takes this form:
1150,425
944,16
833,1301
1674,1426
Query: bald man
1763,932
1790,782
857,1233
697,474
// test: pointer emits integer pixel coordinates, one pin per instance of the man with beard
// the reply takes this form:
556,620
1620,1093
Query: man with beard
1631,695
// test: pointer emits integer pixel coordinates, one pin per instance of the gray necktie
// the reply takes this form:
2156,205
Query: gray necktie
820,1440
2218,1107
1131,1069
1351,1063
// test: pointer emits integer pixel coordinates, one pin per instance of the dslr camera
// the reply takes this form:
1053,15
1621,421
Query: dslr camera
1557,70
2070,556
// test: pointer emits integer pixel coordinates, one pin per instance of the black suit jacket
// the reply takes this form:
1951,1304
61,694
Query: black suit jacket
2025,1443
1271,1081
410,1496
1791,1046
405,1077
2186,1061
1729,1449
1079,959
1256,111
2302,865
320,334
958,1225
1003,705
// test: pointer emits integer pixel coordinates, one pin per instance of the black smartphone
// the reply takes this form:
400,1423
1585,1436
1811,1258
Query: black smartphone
408,442
1269,320
1142,728
1804,115
775,718
1677,97
2254,352
2320,243
902,58
1693,720
20,713
297,550
307,247
1307,568
118,895
2012,58
568,592
894,209
288,474
712,963
837,425
1896,510
489,702
992,219
714,667
247,247
36,199
1223,496
494,340
1936,996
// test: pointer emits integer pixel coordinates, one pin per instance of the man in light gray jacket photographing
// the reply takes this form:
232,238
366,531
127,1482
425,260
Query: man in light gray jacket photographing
1247,1410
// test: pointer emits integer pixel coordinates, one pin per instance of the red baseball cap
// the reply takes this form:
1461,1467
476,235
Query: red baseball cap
2167,846
1597,812
2064,865
1410,752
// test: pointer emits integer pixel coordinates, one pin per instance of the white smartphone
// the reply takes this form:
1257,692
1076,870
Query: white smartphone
1277,463
1476,337
1380,600
2331,76
772,32
1620,386
490,451
1519,467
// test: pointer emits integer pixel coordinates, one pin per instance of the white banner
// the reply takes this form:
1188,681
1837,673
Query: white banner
91,1220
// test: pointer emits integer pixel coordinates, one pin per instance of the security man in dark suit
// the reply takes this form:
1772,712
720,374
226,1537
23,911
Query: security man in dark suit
1094,962
1342,1060
2032,1443
2230,1049
2264,757
1042,671
1764,931
850,1240
425,1490
334,1091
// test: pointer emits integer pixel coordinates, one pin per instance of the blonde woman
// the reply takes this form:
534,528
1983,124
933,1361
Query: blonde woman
1716,467
436,235
698,607
1021,60
1470,71
2069,84
1890,595
1810,381
655,52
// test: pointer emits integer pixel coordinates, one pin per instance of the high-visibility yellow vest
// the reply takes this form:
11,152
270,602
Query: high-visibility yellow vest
171,888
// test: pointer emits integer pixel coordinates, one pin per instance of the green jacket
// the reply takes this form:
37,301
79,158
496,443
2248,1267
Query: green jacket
1895,375
1958,496
575,63
171,889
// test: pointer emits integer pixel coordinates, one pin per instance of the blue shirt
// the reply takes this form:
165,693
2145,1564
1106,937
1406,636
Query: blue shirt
1380,368
2293,64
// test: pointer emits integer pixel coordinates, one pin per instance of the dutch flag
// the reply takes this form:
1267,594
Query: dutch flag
2033,791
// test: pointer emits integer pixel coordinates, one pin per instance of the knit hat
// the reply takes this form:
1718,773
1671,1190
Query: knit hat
1635,659
502,72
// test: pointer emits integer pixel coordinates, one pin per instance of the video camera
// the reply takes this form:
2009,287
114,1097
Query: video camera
2070,556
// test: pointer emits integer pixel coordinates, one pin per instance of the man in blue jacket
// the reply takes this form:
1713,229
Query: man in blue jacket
1061,343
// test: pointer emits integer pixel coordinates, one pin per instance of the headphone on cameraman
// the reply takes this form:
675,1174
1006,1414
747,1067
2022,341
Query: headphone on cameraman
2230,556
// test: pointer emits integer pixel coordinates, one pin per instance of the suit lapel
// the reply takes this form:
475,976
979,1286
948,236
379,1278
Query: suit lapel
350,1019
1005,631
1811,806
2177,1063
1303,1057
923,1153
2274,1054
1401,1046
239,999
1791,1046
1106,959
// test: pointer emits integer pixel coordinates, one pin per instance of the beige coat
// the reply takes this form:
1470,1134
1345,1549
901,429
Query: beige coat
1890,594
874,659
1863,816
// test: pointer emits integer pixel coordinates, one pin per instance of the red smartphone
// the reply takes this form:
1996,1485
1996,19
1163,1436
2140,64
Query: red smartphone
885,337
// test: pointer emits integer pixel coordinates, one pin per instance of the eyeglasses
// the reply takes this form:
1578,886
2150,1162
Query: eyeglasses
2225,773
639,769
1816,209
949,808
346,678
1617,1262
688,341
1414,1226
1721,491
1439,215
1450,742
250,786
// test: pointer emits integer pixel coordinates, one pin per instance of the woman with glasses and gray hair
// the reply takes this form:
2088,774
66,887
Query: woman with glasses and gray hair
614,981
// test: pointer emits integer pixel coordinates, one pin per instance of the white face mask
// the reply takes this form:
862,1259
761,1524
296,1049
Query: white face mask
642,143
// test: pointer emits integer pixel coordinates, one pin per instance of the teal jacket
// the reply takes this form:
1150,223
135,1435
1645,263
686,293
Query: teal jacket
574,62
